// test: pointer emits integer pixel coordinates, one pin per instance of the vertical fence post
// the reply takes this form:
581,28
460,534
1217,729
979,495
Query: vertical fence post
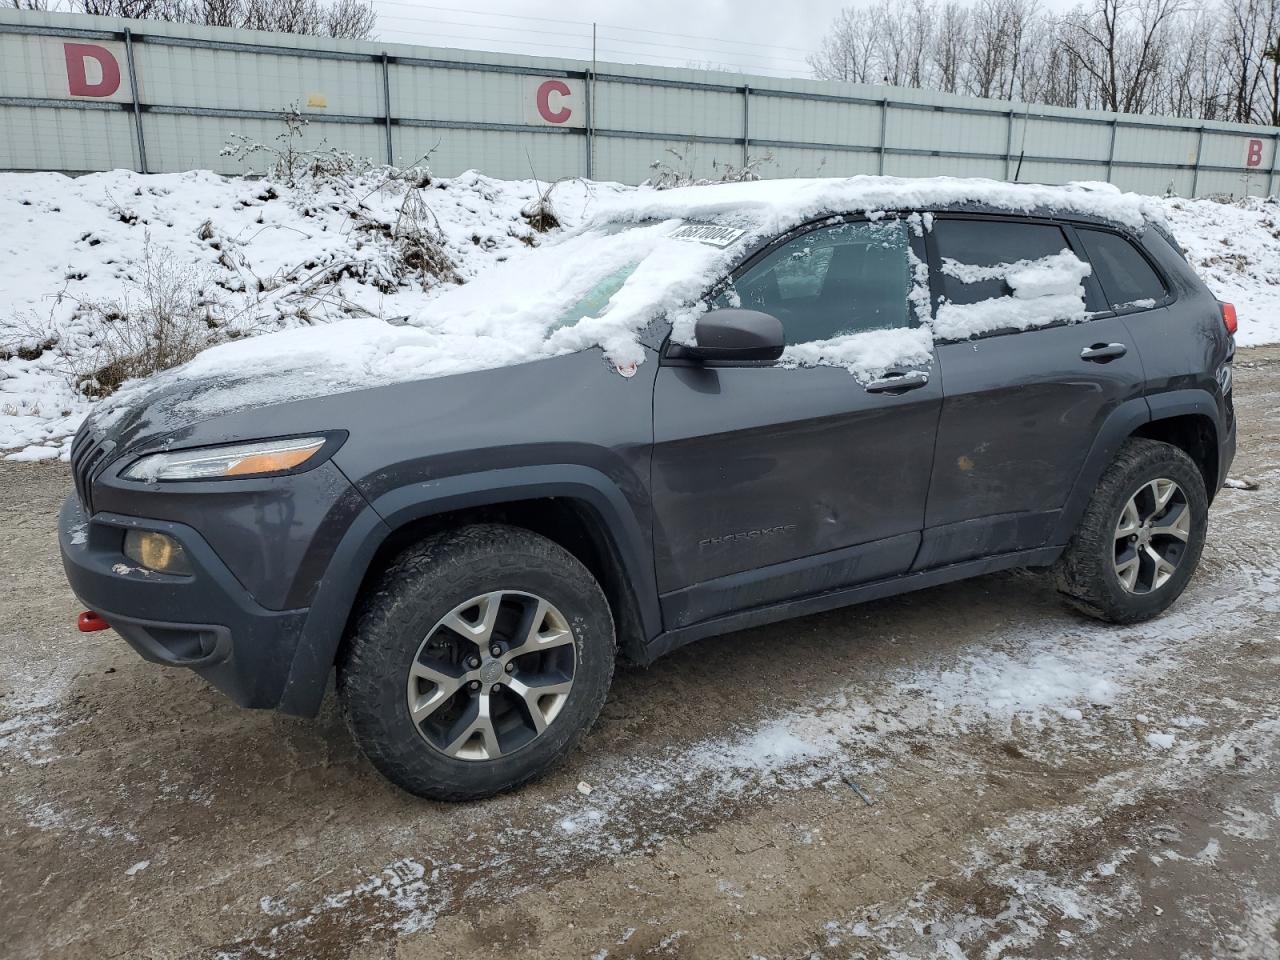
884,129
589,83
386,102
137,107
1275,153
1195,171
1111,149
1008,145
746,126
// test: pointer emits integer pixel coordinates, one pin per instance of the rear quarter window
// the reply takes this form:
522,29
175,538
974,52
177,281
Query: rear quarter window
990,243
1128,280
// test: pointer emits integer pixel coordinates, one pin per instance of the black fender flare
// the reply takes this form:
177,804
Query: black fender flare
322,632
1119,425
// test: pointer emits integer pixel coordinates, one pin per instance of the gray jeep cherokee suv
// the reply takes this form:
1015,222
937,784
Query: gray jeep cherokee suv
472,552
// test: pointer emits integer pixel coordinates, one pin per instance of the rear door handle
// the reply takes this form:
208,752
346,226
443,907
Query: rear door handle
1103,352
899,382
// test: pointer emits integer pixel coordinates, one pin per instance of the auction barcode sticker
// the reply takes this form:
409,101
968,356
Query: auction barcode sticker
707,233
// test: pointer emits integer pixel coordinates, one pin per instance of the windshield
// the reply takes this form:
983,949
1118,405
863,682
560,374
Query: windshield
594,289
593,302
595,286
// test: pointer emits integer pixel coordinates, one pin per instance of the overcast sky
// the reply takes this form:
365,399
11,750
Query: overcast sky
757,36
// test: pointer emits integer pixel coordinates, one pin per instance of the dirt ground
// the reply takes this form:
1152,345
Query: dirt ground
969,771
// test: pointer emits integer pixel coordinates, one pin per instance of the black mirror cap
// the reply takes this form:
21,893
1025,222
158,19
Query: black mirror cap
737,335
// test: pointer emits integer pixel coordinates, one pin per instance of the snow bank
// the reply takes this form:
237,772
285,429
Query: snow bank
1235,247
265,256
321,264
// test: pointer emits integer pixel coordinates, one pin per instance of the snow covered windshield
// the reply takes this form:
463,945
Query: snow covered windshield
595,288
605,280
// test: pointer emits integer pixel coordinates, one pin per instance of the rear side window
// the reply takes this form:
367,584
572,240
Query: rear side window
990,243
1127,279
835,280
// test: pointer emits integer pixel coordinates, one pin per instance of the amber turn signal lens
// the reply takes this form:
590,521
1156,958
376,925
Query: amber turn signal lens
275,461
156,551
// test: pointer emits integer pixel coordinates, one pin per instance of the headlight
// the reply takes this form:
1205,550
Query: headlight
235,460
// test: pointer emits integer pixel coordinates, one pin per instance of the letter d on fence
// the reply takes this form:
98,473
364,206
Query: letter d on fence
78,56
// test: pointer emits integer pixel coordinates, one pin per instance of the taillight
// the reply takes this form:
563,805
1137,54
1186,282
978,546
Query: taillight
1229,318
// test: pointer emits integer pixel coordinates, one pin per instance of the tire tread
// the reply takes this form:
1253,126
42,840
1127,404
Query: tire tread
1083,573
439,562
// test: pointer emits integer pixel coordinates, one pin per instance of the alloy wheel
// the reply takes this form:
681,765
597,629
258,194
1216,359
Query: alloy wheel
1151,536
491,675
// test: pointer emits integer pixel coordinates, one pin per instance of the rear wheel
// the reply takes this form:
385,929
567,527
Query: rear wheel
1141,536
479,660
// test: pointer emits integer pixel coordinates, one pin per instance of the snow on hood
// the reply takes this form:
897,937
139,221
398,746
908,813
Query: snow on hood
598,287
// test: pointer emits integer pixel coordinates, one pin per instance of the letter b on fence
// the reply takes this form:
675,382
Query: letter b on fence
1253,156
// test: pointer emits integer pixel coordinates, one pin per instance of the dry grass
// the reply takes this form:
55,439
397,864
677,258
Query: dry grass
162,322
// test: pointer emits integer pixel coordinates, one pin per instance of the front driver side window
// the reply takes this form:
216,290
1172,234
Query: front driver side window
835,280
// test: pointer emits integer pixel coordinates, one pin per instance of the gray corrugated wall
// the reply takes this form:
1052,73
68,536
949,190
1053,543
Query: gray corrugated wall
510,116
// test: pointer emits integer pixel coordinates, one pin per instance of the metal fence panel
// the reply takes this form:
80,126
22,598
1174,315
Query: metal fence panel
88,93
82,140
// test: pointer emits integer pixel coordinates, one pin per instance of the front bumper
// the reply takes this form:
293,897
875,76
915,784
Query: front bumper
206,621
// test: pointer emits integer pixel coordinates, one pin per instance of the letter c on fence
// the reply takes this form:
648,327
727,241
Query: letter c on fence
78,77
545,90
1254,157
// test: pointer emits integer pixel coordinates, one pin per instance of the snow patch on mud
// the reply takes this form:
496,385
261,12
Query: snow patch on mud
1034,674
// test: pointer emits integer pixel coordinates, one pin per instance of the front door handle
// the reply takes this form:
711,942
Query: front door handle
1103,352
896,383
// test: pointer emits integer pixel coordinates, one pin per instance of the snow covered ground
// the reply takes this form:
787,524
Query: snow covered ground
249,257
257,256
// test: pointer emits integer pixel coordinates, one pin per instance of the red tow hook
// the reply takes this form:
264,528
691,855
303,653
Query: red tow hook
89,621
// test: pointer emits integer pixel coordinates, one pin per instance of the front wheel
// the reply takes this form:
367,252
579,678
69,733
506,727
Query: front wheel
1140,538
479,660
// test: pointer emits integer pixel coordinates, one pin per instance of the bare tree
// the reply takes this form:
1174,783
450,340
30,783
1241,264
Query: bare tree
346,19
951,43
349,20
134,9
1213,62
845,53
1137,56
1270,114
999,30
1251,32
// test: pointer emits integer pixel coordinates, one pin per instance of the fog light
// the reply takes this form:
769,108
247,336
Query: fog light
156,551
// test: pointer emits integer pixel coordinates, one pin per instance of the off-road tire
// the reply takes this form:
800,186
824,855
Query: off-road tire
1086,572
416,590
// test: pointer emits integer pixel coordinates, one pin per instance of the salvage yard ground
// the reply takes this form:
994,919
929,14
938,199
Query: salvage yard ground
969,771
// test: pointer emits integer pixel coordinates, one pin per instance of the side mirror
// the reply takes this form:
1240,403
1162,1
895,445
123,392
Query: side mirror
736,335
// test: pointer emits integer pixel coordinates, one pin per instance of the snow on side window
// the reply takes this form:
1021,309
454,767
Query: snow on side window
842,293
832,281
1042,291
846,294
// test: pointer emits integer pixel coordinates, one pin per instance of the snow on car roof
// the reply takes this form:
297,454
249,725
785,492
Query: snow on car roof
776,205
599,287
